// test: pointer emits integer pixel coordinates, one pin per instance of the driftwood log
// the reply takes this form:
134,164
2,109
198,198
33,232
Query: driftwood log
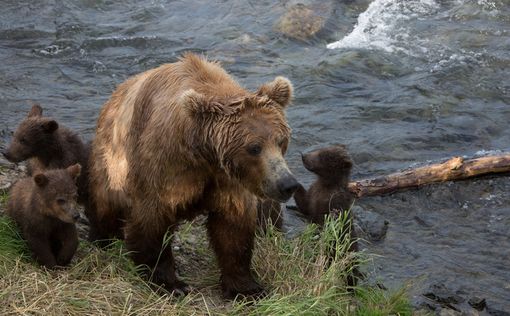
455,168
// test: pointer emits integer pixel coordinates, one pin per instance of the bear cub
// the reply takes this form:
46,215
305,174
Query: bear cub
329,192
44,207
48,146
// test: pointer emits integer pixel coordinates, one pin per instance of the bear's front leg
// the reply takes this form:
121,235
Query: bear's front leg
147,248
68,238
41,250
232,235
107,226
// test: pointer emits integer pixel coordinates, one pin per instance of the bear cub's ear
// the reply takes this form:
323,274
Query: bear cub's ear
74,171
40,179
35,111
279,90
50,126
198,104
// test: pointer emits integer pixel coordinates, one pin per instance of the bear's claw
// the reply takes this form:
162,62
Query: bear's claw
248,289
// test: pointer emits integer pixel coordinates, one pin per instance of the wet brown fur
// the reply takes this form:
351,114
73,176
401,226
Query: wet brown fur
171,143
43,206
48,145
269,210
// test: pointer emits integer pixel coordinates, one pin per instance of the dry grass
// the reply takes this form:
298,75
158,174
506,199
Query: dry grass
299,274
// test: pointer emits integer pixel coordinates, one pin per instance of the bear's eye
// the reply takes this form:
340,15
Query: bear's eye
61,201
281,142
254,149
23,140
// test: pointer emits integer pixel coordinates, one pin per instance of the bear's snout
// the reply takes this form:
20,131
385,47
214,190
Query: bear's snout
5,153
287,185
8,154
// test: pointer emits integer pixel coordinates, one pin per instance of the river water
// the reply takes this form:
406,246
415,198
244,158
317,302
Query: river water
401,82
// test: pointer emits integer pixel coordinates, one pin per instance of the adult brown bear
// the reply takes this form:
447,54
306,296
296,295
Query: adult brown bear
185,139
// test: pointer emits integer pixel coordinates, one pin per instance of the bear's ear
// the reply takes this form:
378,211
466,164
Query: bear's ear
346,164
40,179
198,104
279,90
50,126
74,171
35,111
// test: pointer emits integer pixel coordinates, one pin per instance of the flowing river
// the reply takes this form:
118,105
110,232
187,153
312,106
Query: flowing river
401,82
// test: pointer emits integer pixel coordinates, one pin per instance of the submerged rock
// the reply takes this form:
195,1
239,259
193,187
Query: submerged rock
305,19
477,303
369,225
300,22
441,294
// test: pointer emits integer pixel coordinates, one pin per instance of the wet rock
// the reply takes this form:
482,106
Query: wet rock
302,21
4,162
477,303
9,174
444,296
369,225
5,185
449,312
22,168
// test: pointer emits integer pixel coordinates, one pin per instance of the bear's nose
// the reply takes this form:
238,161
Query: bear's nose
287,185
5,153
76,216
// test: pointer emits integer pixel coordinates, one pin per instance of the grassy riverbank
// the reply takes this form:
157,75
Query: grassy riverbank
300,279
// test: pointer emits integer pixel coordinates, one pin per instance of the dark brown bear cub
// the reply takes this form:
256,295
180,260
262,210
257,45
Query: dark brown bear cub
44,208
48,146
329,194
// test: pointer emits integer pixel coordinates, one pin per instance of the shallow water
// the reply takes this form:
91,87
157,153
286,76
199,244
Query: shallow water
407,82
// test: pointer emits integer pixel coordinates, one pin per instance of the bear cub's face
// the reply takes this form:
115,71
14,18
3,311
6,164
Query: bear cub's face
328,162
58,192
30,136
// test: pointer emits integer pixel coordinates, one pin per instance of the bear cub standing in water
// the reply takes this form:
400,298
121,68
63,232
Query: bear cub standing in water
44,207
48,146
329,192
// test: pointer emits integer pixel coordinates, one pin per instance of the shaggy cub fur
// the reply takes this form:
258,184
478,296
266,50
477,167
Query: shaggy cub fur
48,145
44,207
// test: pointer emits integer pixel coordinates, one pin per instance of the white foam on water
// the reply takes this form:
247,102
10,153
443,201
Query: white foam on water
392,26
487,5
385,25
